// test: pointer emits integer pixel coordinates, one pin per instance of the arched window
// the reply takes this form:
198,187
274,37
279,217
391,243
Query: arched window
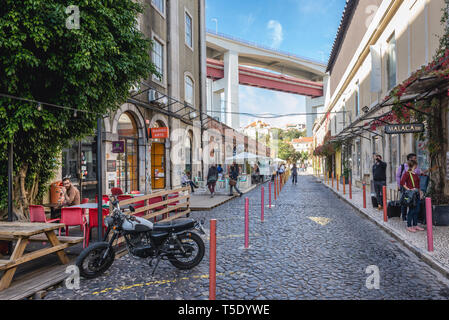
188,88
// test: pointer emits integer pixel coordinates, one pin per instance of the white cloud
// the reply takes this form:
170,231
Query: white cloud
275,33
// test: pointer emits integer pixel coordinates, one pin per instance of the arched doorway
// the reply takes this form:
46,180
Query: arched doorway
128,162
158,162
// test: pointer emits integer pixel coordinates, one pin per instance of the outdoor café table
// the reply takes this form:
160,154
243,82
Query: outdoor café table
21,232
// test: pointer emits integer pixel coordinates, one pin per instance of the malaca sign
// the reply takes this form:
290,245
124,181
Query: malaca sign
404,128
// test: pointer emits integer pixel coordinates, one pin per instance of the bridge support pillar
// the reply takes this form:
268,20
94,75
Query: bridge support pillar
231,88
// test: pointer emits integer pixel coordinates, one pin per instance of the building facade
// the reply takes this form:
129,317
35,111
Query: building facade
156,136
379,44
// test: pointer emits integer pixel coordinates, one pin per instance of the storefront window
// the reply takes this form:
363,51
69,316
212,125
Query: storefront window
422,155
128,162
394,156
79,162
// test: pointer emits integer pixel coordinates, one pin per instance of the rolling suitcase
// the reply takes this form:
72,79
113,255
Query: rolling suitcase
374,200
393,209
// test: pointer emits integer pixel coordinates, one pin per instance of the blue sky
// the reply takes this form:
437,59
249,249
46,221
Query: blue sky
304,27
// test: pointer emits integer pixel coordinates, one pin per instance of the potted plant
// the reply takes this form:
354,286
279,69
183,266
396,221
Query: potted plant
346,173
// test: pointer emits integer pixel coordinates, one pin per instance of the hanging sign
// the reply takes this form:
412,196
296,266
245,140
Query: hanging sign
404,128
118,146
158,133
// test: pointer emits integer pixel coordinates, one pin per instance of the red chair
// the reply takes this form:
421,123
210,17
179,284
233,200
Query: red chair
85,200
116,191
124,197
37,214
156,200
93,222
74,217
105,198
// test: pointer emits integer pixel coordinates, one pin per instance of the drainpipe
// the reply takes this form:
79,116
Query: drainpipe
202,57
169,90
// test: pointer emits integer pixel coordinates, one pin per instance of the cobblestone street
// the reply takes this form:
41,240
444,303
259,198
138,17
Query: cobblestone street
311,246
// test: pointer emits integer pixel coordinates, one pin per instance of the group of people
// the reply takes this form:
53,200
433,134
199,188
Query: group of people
214,174
408,176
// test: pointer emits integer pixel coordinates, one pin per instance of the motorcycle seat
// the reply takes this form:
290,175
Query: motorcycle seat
174,225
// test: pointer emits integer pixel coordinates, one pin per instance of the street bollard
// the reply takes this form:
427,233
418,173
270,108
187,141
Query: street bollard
364,195
344,186
332,179
263,204
429,224
384,200
338,183
274,189
269,194
246,223
350,188
213,259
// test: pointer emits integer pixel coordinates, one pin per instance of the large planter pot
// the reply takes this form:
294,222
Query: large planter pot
440,215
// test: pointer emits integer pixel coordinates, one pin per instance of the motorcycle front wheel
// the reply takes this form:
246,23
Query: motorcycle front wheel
91,263
194,251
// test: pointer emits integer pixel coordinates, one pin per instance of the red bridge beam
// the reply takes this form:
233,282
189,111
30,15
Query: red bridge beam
267,80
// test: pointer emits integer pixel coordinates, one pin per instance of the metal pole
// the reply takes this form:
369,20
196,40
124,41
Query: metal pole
212,259
384,200
263,204
364,195
10,174
99,181
10,187
246,223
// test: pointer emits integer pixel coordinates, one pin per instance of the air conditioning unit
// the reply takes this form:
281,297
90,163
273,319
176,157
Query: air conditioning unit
157,97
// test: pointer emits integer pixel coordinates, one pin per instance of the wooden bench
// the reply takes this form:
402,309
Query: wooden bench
43,238
23,233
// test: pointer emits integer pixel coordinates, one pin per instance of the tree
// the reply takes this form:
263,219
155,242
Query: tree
90,69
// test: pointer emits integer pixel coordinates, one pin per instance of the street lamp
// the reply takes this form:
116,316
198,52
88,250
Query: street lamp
216,25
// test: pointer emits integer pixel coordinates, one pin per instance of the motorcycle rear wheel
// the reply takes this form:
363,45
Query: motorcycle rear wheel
195,252
89,264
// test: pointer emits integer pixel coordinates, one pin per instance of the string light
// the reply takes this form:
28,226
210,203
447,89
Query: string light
39,107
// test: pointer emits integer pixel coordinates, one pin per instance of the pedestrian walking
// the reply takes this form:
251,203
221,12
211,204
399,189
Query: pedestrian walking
220,172
402,169
212,177
410,181
380,178
294,174
233,176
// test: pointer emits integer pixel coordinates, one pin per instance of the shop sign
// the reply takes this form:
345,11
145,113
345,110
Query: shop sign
118,146
158,133
111,166
404,128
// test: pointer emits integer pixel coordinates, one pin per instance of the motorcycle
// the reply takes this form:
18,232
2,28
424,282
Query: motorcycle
174,241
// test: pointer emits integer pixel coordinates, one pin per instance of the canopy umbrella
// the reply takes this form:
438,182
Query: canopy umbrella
278,160
245,156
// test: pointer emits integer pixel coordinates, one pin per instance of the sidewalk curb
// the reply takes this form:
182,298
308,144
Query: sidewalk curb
420,253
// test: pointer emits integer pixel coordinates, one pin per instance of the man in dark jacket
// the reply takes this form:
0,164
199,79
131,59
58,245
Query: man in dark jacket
380,178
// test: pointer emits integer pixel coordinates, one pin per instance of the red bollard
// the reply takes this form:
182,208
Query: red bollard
338,183
384,200
429,224
213,259
246,223
344,186
364,195
263,204
269,194
350,188
275,187
332,179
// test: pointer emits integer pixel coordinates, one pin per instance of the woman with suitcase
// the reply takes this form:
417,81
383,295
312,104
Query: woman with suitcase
410,182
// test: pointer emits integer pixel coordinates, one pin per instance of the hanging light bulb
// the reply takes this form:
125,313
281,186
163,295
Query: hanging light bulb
39,107
75,113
